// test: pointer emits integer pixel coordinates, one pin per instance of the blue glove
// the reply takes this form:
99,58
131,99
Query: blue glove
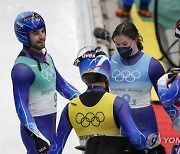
175,149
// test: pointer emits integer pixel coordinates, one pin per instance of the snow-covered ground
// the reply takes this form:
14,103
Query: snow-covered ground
69,28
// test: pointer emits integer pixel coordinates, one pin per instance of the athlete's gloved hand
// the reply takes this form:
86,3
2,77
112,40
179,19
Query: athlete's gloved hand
42,145
175,149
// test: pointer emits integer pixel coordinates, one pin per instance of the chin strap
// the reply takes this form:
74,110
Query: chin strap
39,65
44,58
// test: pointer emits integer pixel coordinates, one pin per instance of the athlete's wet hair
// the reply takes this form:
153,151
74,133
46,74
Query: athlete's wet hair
129,29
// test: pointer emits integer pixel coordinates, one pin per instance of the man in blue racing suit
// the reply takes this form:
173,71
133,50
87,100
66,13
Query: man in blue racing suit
35,82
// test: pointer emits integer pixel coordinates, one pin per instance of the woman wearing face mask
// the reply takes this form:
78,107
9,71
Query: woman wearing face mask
132,77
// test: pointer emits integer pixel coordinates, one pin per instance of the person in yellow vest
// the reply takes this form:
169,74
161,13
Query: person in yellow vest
96,112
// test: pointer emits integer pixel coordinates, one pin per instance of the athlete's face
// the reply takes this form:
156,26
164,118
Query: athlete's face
37,39
124,41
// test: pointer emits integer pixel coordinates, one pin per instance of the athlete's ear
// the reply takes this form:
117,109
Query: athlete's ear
136,40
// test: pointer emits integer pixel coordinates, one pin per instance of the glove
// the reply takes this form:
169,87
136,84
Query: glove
41,145
175,149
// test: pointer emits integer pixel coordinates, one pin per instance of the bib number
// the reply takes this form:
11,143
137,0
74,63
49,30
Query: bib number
129,100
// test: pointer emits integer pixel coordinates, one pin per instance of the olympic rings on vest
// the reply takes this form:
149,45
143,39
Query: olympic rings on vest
125,75
90,118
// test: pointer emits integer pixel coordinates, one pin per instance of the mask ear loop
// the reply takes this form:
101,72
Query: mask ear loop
132,44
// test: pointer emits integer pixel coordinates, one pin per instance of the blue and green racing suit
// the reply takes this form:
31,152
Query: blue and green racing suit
35,82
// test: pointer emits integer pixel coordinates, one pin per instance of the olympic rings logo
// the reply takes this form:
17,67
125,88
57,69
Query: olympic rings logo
48,73
90,118
125,75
